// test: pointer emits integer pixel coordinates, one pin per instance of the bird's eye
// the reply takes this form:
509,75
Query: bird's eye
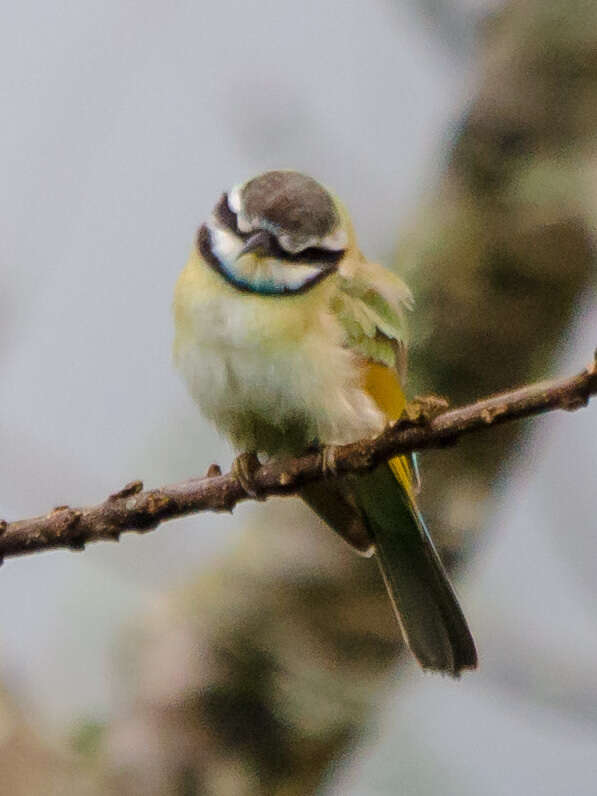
315,254
312,254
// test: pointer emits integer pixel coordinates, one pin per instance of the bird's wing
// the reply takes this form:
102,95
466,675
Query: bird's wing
370,305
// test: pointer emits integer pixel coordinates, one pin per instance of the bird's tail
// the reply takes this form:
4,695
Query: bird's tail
430,617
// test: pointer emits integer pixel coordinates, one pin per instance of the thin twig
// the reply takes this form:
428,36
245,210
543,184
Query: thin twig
132,509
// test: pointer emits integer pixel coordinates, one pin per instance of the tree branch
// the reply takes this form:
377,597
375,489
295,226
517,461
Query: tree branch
132,509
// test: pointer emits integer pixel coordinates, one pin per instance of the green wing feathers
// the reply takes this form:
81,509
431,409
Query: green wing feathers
370,305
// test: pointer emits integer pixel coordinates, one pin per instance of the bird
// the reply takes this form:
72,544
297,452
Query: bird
288,337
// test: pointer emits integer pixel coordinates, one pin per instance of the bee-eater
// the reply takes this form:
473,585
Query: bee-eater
288,337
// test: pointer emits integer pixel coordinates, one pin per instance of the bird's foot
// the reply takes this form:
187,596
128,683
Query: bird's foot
423,408
243,469
328,460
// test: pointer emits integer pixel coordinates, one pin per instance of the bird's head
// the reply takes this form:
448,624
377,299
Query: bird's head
277,234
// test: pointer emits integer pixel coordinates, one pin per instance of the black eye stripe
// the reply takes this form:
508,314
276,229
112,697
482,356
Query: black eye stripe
312,255
204,244
205,248
225,216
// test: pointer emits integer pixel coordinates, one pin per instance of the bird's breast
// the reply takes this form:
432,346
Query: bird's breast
271,372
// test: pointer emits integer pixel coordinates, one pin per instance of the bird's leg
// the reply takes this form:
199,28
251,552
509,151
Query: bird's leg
243,469
423,408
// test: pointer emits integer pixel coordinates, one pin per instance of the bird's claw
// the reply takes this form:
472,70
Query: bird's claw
328,460
243,469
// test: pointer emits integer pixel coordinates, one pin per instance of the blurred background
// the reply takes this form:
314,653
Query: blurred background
255,654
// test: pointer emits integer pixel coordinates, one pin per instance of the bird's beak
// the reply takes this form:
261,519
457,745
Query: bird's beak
259,242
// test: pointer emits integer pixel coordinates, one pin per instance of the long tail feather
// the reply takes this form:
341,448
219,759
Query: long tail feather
430,617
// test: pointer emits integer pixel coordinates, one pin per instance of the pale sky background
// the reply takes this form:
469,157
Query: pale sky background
123,122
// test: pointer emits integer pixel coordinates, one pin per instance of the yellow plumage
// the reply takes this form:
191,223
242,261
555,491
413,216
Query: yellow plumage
383,385
272,372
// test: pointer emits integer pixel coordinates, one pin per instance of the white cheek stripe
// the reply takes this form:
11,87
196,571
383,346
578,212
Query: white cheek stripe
234,199
225,244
